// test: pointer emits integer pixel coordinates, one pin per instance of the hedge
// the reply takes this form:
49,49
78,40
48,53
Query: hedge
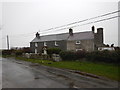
67,55
71,55
95,56
104,56
51,51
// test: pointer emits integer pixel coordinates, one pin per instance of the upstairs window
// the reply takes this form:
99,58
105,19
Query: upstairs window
78,42
45,44
56,44
36,44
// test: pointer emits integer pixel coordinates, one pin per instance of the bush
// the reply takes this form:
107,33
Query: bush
104,56
68,55
95,56
26,50
6,52
18,52
80,54
51,51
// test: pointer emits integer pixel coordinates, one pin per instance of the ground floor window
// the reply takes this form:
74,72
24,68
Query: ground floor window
56,44
45,44
79,49
35,51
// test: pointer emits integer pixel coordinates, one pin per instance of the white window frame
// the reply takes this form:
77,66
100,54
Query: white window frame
79,50
35,50
78,42
45,44
56,43
36,44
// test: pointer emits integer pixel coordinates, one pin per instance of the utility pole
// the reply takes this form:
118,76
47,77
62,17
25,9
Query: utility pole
119,25
8,42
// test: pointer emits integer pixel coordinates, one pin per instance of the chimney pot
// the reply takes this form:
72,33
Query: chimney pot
93,29
71,32
99,30
37,35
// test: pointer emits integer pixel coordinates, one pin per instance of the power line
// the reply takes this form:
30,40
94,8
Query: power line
85,23
72,26
81,21
97,21
51,29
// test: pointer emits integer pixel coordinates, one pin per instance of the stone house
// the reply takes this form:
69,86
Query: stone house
88,41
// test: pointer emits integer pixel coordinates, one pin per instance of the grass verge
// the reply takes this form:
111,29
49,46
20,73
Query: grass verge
110,71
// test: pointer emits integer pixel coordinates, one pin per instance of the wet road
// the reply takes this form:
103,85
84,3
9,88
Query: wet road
17,75
21,74
0,73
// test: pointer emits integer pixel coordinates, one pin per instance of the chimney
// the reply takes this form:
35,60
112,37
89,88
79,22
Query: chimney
71,32
100,30
100,34
93,29
37,35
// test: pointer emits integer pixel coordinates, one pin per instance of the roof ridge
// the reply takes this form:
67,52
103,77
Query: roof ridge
65,36
66,33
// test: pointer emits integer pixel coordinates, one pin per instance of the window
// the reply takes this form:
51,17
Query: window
78,42
36,44
45,44
35,51
79,49
56,43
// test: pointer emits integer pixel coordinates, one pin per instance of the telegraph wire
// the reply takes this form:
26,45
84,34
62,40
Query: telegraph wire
97,21
49,30
105,19
31,34
81,21
26,35
85,23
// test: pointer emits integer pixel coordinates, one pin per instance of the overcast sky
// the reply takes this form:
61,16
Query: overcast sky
21,20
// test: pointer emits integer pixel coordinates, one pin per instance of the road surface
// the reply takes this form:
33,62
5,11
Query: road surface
21,74
0,73
17,75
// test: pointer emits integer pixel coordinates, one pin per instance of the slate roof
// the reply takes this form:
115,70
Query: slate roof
65,36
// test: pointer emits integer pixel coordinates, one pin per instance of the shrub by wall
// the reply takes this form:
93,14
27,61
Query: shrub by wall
6,52
68,55
80,54
71,55
51,51
104,56
96,56
18,52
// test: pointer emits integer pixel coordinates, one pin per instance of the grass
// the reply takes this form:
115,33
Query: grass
110,71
